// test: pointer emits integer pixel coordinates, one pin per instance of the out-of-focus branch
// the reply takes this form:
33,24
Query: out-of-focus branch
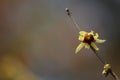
107,68
13,69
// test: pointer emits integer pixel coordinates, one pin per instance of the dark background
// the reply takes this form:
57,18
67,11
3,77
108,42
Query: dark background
38,40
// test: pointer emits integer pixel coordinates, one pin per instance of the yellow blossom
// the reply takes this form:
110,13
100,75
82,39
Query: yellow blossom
88,40
107,70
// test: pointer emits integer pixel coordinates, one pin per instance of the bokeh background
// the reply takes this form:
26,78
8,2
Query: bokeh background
38,40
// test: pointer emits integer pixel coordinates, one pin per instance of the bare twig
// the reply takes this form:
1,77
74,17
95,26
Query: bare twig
69,13
113,74
95,52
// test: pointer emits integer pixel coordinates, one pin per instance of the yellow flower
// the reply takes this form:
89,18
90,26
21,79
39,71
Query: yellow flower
88,39
107,70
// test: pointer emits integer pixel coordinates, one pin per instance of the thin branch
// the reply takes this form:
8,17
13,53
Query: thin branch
72,18
96,53
113,74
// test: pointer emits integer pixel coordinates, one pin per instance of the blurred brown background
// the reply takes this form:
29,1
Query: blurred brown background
38,40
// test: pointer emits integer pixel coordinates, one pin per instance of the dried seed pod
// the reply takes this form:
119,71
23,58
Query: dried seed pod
68,11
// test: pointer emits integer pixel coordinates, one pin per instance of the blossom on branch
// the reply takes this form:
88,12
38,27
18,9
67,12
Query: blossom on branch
88,40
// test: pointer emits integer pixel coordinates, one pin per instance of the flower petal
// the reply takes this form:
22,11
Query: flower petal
100,41
96,36
87,46
81,38
82,33
94,46
92,32
107,67
105,73
79,47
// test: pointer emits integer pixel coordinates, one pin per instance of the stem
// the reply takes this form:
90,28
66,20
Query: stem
95,52
72,18
113,74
